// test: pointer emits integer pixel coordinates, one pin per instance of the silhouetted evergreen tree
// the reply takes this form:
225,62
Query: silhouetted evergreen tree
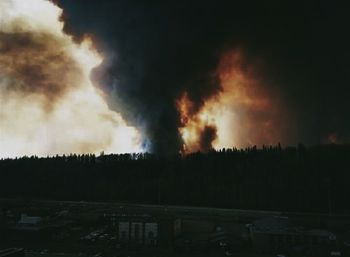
270,178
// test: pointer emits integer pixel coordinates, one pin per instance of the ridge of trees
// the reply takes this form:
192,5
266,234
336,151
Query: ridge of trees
311,179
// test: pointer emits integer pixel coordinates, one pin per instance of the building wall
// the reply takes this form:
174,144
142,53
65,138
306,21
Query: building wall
137,232
166,231
270,242
151,233
123,231
148,231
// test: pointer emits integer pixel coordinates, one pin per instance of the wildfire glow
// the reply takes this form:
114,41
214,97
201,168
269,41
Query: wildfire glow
242,114
48,104
199,129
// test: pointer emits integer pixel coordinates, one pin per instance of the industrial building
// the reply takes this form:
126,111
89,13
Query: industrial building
145,230
276,234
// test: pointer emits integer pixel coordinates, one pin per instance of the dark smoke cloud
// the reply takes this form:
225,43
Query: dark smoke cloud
158,49
208,135
39,64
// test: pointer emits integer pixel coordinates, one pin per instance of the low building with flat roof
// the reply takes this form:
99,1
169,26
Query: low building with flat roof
145,230
276,234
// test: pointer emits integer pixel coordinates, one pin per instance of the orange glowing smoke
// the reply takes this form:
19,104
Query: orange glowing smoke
198,130
48,104
243,113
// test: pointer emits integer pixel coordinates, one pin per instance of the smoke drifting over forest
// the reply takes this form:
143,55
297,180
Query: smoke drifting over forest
191,76
48,104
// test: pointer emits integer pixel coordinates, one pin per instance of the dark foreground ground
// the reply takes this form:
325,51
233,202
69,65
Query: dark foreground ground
91,229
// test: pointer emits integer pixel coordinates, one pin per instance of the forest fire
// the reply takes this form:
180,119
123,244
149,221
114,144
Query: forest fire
242,114
199,129
48,102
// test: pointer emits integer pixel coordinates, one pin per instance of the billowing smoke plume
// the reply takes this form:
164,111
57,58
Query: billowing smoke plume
160,53
48,104
161,50
153,58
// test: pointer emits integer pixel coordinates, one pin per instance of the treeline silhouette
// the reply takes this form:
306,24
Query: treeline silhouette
315,179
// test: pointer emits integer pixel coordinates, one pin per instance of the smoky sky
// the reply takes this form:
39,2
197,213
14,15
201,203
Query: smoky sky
39,61
155,50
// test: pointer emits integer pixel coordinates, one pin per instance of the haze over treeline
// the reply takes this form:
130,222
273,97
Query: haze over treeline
313,179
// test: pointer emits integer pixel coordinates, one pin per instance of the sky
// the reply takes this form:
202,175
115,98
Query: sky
192,75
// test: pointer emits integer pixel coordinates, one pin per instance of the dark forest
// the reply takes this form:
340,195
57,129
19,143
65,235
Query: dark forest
306,179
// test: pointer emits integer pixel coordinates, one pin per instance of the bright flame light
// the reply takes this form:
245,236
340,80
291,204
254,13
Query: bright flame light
48,104
242,114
